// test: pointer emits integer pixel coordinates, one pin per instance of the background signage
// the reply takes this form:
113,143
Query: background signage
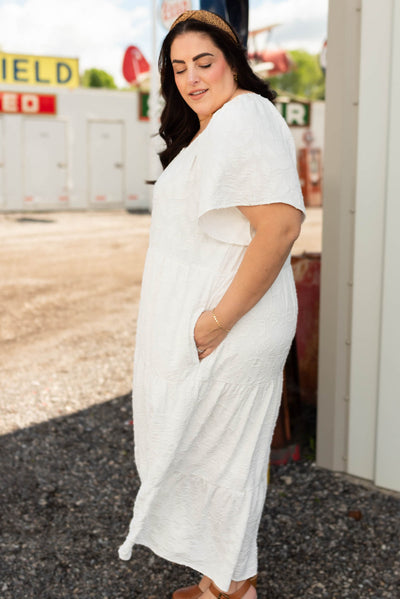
296,114
171,9
14,102
135,67
39,70
144,106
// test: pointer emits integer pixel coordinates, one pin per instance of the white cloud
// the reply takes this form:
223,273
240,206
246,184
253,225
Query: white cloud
303,22
95,31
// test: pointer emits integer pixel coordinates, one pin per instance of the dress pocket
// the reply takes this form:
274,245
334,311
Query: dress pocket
192,342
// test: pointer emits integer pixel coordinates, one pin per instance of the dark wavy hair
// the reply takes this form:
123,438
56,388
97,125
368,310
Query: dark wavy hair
179,123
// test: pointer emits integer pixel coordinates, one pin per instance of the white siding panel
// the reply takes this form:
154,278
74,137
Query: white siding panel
337,244
387,473
373,126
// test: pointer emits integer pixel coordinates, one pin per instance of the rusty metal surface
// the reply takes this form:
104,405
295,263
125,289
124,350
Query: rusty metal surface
307,273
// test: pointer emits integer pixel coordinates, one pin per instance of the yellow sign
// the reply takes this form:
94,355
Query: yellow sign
39,70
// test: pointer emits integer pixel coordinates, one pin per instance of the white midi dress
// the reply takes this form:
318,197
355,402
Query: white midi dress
203,429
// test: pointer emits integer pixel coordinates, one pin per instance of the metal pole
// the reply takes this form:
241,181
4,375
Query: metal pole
236,12
154,167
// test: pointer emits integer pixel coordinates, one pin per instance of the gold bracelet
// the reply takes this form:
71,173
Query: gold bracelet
218,323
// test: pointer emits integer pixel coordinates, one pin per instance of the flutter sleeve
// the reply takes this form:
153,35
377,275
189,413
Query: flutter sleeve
247,158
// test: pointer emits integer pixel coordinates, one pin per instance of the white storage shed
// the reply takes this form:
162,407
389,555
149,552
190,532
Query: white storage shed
72,149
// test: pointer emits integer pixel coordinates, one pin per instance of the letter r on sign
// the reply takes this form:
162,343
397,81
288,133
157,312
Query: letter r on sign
296,114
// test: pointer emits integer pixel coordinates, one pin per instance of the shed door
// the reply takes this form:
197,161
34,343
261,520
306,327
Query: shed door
106,165
45,162
1,164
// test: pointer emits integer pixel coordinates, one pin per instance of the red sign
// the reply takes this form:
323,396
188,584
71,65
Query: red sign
135,67
171,9
16,103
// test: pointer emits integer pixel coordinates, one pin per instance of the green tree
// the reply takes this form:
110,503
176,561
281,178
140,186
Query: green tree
97,78
305,80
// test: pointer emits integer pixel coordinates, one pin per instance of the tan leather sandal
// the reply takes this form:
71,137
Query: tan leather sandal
236,595
194,591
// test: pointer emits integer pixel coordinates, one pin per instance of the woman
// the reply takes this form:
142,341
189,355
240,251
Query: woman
218,311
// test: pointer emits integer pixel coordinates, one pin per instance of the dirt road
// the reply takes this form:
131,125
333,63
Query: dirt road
69,293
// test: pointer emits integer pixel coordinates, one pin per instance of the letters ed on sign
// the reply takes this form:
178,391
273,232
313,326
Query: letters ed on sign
14,102
39,70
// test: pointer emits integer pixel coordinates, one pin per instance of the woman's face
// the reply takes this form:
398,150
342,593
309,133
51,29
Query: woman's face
202,75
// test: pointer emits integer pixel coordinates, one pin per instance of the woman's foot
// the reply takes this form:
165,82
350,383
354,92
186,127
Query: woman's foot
194,591
204,583
251,593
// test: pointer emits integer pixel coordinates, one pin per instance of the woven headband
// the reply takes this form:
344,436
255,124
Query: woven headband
205,16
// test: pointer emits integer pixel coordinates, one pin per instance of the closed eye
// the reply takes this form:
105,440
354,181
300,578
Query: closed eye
202,66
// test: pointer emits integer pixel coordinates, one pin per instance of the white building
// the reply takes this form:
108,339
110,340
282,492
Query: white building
71,149
359,360
66,149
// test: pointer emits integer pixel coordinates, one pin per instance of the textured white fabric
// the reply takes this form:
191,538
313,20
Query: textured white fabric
203,429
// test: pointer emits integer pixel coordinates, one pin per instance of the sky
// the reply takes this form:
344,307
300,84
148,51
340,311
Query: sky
99,31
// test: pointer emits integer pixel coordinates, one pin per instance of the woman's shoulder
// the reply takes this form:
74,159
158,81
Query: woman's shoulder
247,120
250,115
249,107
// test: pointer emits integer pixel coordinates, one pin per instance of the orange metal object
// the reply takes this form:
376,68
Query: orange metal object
307,274
310,173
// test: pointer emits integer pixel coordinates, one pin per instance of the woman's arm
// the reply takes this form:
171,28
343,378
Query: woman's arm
276,226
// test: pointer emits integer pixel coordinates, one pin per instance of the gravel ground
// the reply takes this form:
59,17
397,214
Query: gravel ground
67,487
68,307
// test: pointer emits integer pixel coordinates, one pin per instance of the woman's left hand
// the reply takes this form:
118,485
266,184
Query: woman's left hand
207,334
